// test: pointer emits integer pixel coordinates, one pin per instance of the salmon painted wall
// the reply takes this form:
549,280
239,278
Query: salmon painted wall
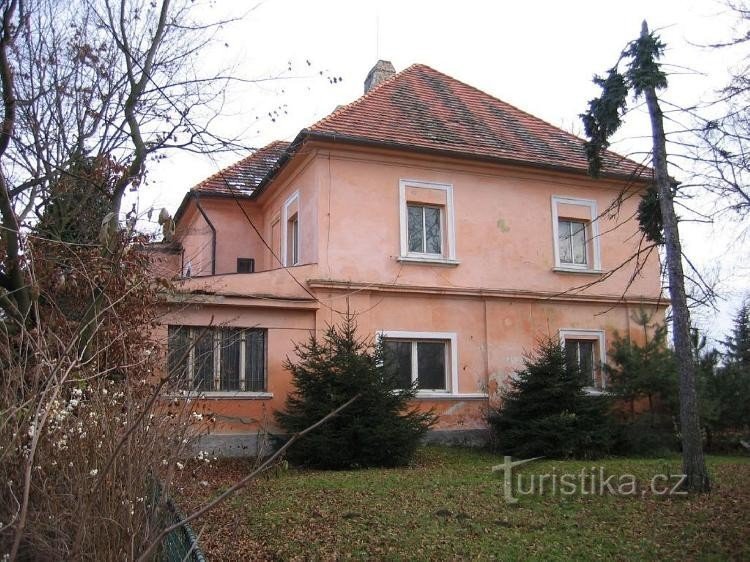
235,237
285,326
493,334
503,225
501,297
302,182
194,234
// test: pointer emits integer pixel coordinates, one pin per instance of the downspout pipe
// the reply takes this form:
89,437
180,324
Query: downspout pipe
213,233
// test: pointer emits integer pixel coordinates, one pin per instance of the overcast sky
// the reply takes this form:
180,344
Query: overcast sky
539,56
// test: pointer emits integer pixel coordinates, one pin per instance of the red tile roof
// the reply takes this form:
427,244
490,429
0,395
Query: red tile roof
425,109
241,178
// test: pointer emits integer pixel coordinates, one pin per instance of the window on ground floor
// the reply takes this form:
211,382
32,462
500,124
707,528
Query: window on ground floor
218,359
420,360
584,349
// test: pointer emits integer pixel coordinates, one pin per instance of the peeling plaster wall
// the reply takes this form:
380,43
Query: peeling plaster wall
349,221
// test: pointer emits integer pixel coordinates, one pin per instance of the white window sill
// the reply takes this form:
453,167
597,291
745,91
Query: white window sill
426,260
591,391
224,395
437,395
581,270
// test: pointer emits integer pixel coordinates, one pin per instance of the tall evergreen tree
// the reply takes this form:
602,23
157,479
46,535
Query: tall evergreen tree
380,428
643,77
545,410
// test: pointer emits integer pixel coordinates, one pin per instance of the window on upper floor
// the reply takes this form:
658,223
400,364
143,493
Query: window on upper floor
292,245
290,237
425,229
585,349
245,265
576,235
427,223
571,240
218,359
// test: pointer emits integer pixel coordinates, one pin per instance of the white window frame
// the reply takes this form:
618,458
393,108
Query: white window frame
592,236
448,226
294,197
591,335
451,338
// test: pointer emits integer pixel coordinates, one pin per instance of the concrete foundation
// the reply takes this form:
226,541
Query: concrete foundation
250,445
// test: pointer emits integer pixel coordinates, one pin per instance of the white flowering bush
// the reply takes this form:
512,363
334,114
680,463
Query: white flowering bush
86,427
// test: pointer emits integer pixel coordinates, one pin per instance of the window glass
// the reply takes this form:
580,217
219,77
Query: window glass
431,365
203,359
566,252
198,346
245,265
178,345
230,359
398,357
255,360
572,242
432,230
424,229
578,242
416,230
586,359
580,353
292,249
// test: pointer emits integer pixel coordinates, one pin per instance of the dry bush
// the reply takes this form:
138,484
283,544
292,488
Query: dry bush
86,428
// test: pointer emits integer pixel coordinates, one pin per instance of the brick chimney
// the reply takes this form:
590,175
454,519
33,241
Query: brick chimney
382,70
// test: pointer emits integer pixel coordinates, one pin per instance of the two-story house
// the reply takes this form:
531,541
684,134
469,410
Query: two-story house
459,228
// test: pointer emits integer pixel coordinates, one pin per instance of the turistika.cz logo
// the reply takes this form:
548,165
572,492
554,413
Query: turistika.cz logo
590,481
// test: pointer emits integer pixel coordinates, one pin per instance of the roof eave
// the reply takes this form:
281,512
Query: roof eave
306,134
363,141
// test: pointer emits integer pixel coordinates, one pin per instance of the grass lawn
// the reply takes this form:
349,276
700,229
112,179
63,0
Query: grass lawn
449,505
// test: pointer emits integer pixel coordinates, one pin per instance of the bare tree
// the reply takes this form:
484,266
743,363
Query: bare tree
95,78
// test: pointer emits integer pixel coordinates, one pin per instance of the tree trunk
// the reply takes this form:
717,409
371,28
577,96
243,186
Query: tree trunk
693,463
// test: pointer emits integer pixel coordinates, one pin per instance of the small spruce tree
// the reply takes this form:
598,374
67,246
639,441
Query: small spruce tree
546,412
730,387
738,342
379,429
646,372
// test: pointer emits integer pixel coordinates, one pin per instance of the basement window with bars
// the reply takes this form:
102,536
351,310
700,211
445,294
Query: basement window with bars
224,359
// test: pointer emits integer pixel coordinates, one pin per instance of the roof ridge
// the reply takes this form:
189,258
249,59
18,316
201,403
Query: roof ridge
361,98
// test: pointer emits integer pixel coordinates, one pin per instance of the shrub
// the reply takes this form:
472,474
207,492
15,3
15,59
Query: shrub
378,429
546,412
86,429
645,374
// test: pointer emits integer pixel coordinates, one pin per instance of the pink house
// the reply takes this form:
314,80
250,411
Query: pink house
458,227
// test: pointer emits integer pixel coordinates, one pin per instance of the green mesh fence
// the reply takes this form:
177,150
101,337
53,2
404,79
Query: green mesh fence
181,545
